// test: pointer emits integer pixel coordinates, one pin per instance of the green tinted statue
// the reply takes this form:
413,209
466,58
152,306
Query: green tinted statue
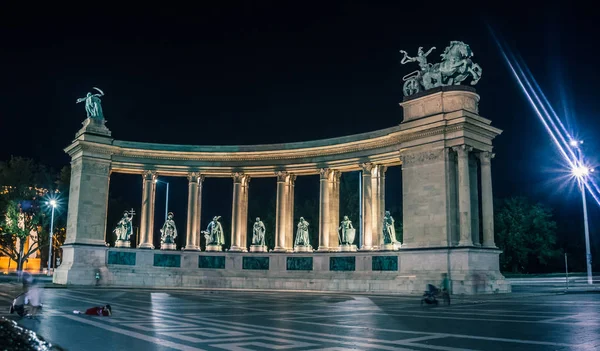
168,233
389,232
346,232
214,233
258,233
456,66
302,238
123,229
93,108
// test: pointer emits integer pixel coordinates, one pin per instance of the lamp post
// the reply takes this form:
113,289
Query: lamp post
167,197
580,171
53,204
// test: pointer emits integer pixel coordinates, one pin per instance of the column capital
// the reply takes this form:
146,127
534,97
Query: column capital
326,173
462,150
367,167
486,157
378,171
292,179
195,177
337,175
149,175
282,176
239,177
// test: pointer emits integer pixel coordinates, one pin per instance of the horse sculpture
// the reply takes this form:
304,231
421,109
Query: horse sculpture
456,66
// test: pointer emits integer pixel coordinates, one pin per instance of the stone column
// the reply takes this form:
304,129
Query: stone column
464,195
324,208
281,220
474,199
367,202
378,203
334,212
194,208
487,203
147,213
289,233
239,212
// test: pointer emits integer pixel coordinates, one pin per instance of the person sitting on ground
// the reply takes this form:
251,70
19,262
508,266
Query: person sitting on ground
105,311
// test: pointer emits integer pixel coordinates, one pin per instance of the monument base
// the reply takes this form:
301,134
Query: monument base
347,248
238,249
303,248
122,243
168,246
214,248
80,264
258,248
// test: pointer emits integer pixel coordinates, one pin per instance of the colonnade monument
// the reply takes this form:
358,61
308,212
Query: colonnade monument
443,146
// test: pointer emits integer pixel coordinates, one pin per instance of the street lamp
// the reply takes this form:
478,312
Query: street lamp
52,204
167,197
581,171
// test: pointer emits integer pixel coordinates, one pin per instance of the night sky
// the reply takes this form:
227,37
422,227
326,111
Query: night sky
242,73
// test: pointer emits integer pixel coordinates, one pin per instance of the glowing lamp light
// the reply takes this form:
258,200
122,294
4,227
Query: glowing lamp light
53,203
581,171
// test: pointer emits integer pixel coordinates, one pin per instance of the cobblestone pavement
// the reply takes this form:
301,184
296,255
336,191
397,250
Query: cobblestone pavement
230,320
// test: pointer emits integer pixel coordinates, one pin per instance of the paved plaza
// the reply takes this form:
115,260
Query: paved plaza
235,320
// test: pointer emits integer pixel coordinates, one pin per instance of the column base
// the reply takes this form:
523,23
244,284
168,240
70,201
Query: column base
146,246
465,243
168,246
491,245
321,249
347,248
214,248
192,248
280,249
237,249
122,243
366,248
303,248
258,248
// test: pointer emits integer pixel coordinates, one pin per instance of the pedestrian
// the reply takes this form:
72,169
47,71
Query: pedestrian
105,311
33,297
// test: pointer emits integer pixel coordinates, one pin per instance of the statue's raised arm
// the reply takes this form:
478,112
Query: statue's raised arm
406,58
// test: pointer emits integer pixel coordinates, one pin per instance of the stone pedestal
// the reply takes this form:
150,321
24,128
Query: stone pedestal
347,248
168,246
389,247
303,248
258,248
80,265
122,243
216,248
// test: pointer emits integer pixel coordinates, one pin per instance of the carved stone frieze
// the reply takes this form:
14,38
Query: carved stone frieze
409,159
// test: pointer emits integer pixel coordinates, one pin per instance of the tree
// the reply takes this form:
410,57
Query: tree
526,233
23,183
15,229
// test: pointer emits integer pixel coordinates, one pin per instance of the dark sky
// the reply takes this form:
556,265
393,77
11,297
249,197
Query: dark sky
243,73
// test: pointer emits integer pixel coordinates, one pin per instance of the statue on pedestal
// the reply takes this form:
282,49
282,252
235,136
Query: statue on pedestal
455,67
124,230
389,232
346,232
214,236
258,236
302,242
168,233
93,108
